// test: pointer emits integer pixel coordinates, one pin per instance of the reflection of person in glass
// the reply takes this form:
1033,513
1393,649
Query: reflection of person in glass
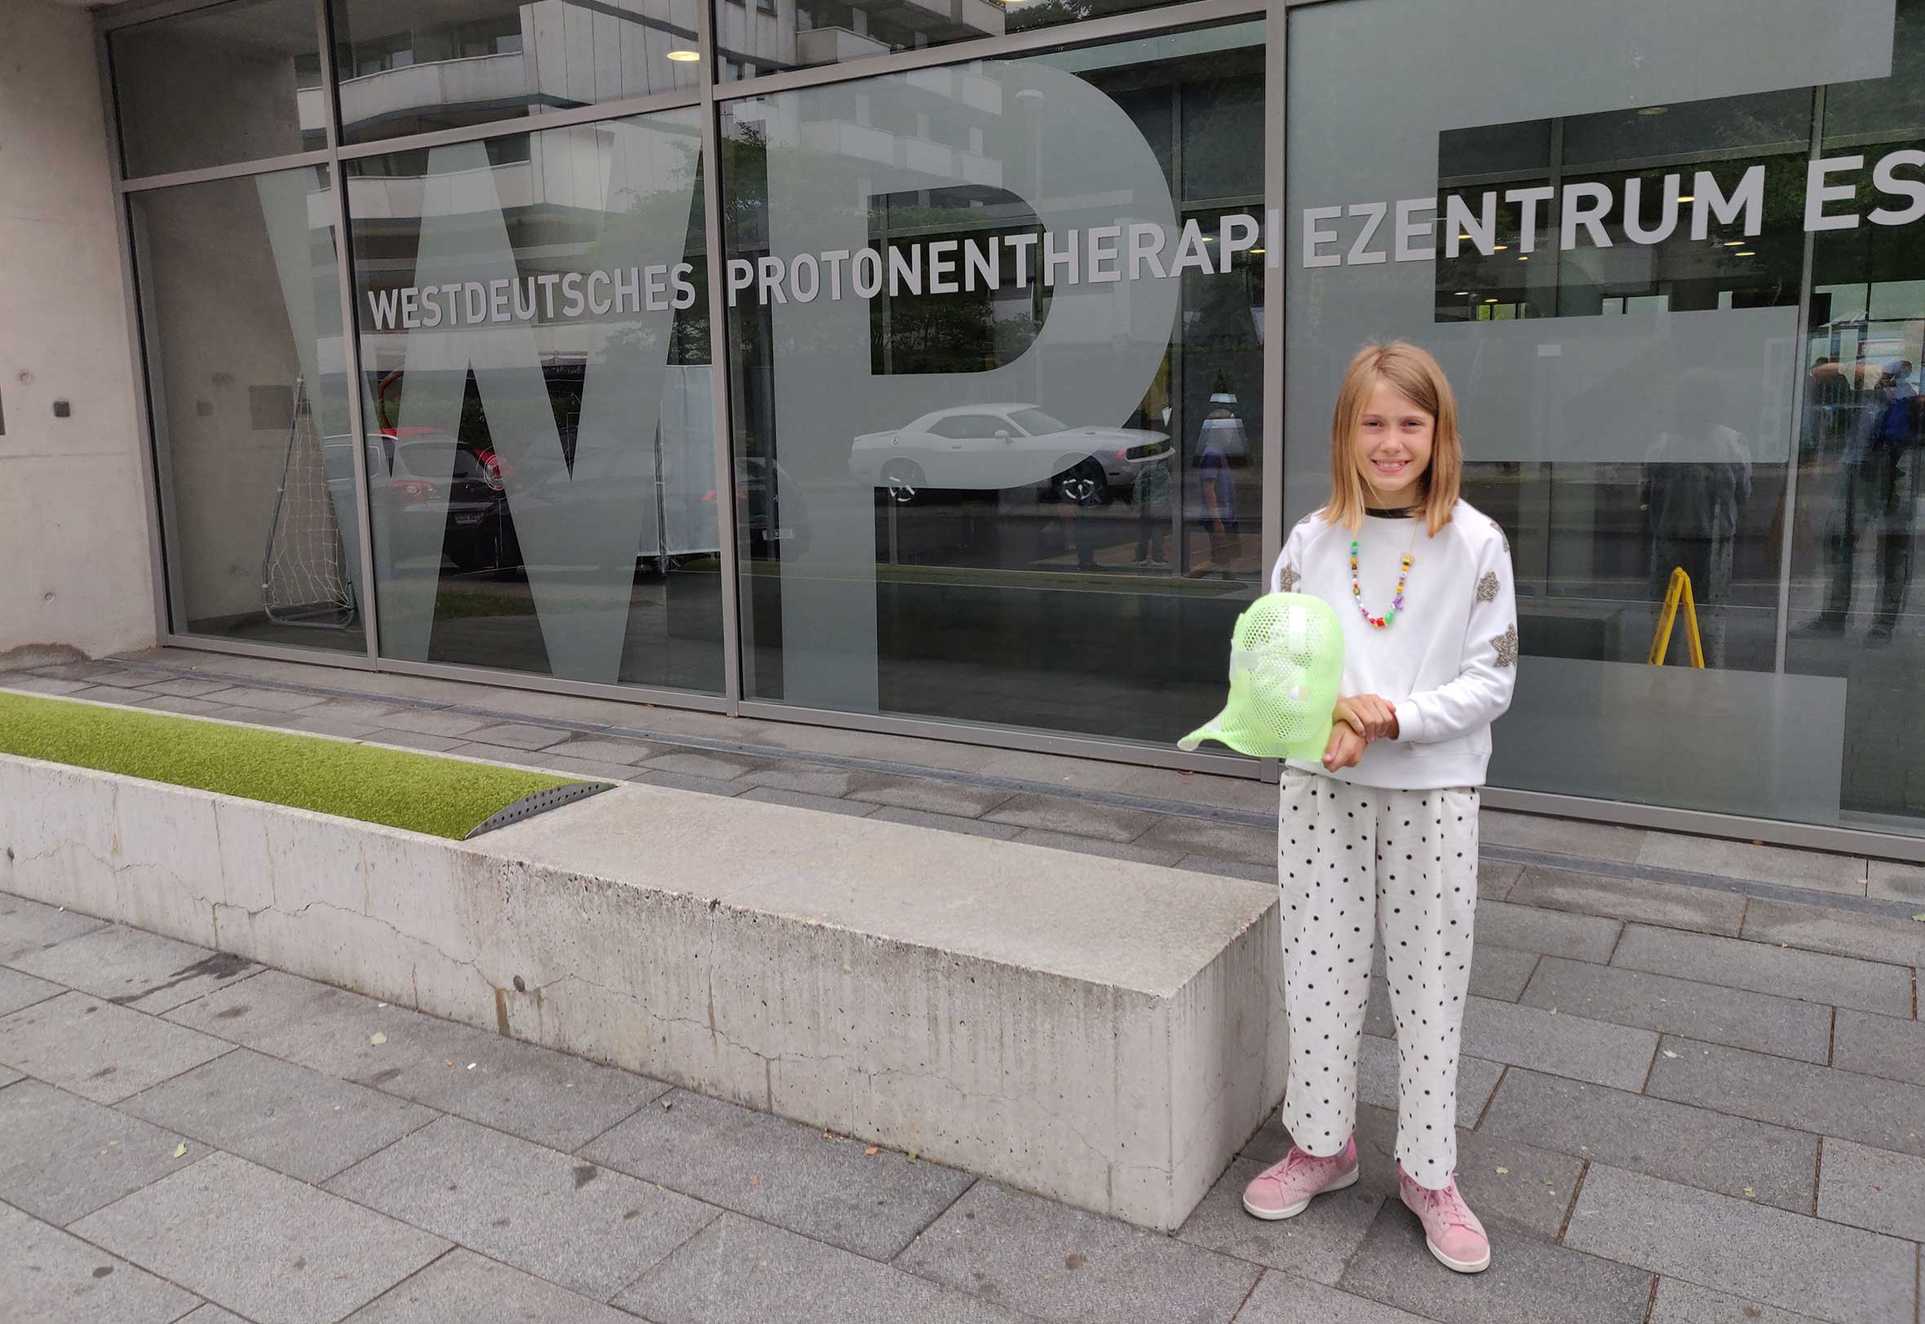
1877,484
1150,493
1697,484
1382,834
1217,493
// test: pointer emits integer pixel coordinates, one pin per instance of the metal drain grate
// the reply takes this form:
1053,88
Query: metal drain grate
538,803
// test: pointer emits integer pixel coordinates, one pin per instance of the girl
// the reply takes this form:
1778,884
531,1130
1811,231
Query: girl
1383,836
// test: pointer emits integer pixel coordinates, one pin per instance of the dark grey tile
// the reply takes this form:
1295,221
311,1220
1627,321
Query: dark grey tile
279,1115
1840,932
273,701
1377,1079
1255,873
519,758
18,990
1281,1298
1880,1046
27,926
1669,905
809,778
185,707
714,767
1776,864
822,804
111,694
465,1288
1868,1188
1549,932
930,796
1315,1244
49,1277
1838,980
259,1243
1057,1263
1109,850
1679,1302
737,1271
946,823
136,969
1711,1012
62,1157
781,1172
1505,1180
188,687
552,1214
435,722
682,781
1713,1151
1495,972
26,683
1561,836
603,749
1882,1113
1782,1259
1573,1046
1530,1281
320,722
1496,878
1202,836
430,744
97,1050
1078,818
1897,882
517,735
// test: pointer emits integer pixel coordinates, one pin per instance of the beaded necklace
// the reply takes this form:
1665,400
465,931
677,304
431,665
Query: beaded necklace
1397,601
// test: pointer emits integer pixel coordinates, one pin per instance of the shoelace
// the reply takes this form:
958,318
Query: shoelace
1298,1158
1451,1205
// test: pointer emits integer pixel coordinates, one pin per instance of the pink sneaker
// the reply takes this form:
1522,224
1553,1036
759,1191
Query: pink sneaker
1451,1230
1284,1190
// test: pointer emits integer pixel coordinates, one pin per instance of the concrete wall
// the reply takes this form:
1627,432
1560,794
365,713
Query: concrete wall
73,520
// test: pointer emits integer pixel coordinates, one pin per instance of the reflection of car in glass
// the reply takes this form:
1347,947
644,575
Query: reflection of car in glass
479,535
1000,446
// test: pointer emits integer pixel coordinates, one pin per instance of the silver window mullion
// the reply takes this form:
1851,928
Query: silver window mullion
731,586
1800,346
1276,51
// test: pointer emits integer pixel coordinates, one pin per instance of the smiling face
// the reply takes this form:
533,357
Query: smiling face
1392,445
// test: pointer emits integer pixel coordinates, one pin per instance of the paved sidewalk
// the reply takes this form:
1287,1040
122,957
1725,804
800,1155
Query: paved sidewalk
1682,1105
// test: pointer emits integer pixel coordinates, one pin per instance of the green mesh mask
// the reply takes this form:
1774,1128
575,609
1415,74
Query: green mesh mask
1286,662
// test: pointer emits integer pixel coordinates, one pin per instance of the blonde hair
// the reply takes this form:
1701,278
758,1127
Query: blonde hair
1415,375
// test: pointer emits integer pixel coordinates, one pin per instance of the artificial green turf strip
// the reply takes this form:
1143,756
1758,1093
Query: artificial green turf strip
398,788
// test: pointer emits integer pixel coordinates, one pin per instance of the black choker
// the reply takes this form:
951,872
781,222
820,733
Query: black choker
1406,512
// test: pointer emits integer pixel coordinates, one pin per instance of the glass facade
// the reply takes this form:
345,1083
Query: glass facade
1002,442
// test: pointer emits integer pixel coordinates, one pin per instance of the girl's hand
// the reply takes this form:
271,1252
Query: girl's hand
1369,716
1346,747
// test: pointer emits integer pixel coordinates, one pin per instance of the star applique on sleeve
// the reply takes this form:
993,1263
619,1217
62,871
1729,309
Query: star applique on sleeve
1506,646
1487,587
1289,579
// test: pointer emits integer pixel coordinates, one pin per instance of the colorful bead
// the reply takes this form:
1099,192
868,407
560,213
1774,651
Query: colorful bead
1397,600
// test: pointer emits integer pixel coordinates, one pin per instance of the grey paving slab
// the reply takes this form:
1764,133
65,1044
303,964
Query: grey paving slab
188,687
822,804
357,710
465,1288
1549,932
1506,1180
1561,836
434,722
62,1156
738,1271
1841,981
1880,1046
114,694
8,1076
930,796
715,767
1495,972
1281,1298
281,1116
1886,1114
682,781
1530,1281
211,1314
97,1050
1377,1079
264,1245
320,722
19,990
564,1218
28,684
431,744
518,735
1497,878
590,768
1773,864
1200,836
1791,1261
273,701
1316,1244
812,779
1256,873
1078,818
520,758
49,1277
1841,932
548,1097
781,1172
185,707
1712,1151
1868,1188
1574,1046
1113,850
1058,1263
946,822
1897,882
27,926
136,969
608,750
1711,1012
1679,1302
1670,905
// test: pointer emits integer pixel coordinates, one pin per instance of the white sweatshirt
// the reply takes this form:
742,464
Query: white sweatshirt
1447,663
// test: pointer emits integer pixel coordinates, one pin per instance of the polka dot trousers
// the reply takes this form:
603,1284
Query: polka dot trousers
1356,862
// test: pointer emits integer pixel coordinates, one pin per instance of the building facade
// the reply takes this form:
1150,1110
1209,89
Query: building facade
955,367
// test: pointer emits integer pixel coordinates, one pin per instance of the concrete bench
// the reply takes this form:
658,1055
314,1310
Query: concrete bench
1104,1033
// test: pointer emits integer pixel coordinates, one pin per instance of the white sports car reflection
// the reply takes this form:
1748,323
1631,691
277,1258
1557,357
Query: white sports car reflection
1000,446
